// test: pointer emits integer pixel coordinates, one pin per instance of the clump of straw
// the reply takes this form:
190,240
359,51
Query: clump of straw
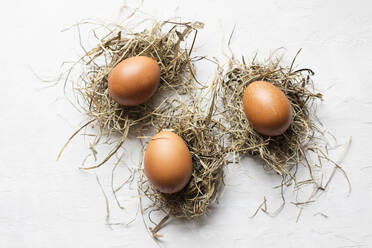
280,153
164,42
205,140
176,106
303,144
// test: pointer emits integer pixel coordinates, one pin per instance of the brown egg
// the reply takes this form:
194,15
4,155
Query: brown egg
134,80
168,164
267,108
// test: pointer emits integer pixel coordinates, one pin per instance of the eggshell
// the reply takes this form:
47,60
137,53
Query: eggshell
267,108
167,162
134,80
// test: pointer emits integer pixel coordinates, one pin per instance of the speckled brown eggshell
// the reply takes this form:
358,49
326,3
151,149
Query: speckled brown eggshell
134,80
167,162
267,108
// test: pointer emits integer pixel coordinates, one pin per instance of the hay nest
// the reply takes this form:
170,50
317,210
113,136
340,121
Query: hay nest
205,139
280,153
303,145
166,43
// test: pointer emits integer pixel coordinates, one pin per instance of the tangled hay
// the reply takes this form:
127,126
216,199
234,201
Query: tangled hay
302,145
204,137
176,106
163,42
280,153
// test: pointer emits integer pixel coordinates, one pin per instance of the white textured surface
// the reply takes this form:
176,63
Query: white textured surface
48,204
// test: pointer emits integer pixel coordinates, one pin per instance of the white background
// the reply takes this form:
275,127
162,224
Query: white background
44,203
